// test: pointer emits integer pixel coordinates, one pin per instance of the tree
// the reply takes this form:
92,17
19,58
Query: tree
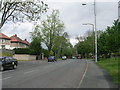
109,41
51,29
85,46
62,46
35,46
18,10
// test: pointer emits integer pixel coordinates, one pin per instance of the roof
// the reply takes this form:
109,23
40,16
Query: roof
26,42
14,38
3,36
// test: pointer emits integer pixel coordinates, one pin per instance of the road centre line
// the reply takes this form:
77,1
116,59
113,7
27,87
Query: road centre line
86,68
8,71
5,78
30,71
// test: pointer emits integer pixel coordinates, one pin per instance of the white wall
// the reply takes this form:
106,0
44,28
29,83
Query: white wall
24,57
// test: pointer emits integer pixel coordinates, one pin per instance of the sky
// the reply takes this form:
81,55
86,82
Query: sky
74,15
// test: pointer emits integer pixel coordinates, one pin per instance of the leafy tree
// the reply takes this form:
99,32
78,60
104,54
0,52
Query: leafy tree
109,41
51,28
53,36
85,45
16,10
45,51
61,43
35,46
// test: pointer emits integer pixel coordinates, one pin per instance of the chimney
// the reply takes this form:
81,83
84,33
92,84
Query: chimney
15,35
25,39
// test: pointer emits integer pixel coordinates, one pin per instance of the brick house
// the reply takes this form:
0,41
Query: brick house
12,42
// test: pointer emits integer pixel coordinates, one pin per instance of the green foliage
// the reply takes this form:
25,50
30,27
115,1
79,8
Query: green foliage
51,53
51,28
111,65
52,34
35,46
22,50
14,10
109,41
84,48
6,54
46,53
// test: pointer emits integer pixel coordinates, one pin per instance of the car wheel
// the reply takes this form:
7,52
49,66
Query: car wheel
1,68
15,66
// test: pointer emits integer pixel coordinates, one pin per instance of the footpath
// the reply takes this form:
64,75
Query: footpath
97,77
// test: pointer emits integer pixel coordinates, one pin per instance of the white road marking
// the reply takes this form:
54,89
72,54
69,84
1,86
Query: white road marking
83,75
5,78
29,71
8,71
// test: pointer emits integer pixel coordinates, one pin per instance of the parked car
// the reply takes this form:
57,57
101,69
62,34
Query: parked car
51,59
78,57
8,63
64,58
74,57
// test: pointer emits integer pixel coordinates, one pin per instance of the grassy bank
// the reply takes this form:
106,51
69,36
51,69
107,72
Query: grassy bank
111,65
5,54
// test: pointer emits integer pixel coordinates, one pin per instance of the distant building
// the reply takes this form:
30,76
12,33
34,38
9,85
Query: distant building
119,10
12,42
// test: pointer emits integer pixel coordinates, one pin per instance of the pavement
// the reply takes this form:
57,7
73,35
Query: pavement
71,73
97,77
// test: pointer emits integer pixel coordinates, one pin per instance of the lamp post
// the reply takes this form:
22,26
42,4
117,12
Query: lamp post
94,29
89,24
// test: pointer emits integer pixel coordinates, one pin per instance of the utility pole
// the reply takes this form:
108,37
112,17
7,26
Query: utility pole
95,31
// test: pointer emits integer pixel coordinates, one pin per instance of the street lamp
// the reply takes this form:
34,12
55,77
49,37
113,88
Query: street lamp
94,29
89,24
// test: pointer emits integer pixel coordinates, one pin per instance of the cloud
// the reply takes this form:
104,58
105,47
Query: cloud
73,14
21,29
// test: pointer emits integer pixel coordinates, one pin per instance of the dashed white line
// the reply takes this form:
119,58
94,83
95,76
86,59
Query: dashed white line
5,78
29,71
83,75
8,71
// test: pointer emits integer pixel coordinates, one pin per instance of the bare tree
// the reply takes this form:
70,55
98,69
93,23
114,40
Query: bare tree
18,10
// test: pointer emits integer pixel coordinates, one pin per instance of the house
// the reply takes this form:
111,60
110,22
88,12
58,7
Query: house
16,42
12,42
4,41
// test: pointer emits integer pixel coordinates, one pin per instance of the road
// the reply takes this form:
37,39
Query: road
61,74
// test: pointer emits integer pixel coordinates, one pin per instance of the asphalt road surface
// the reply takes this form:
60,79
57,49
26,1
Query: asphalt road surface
61,74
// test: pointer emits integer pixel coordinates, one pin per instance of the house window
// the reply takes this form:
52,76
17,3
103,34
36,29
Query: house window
3,46
3,41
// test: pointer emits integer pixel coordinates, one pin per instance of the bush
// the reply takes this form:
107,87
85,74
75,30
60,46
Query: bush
22,50
25,51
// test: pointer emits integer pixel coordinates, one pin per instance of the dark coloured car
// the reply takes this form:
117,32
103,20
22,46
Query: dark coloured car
8,63
51,59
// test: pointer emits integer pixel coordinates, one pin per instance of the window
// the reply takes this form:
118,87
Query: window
3,46
3,41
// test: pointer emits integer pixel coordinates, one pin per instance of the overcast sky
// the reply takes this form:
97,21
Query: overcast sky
73,14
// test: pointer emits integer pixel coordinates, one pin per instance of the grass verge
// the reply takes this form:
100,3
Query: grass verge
112,66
